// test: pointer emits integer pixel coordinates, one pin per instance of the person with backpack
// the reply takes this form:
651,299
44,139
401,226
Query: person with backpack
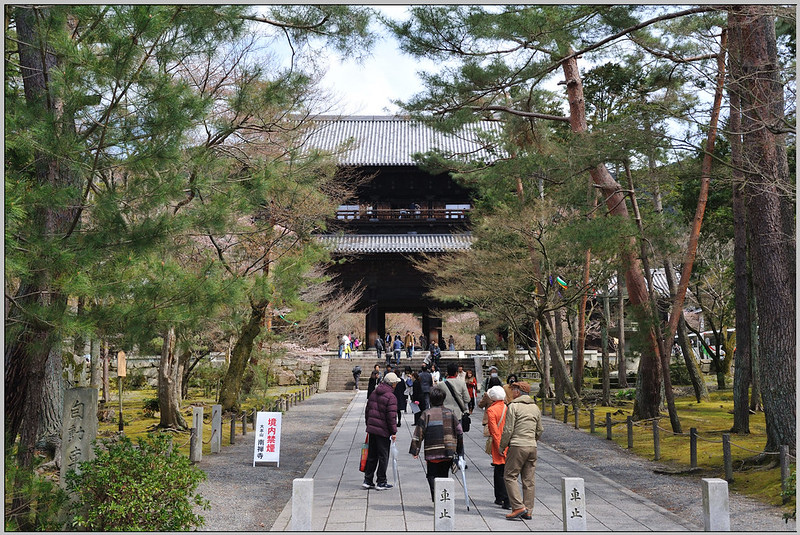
457,396
356,375
397,348
379,346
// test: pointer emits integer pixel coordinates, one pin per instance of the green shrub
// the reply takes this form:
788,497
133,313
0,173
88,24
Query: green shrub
135,380
788,494
627,393
150,407
147,487
32,501
679,375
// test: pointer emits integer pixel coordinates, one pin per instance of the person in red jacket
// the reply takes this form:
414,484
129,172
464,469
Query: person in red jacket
381,419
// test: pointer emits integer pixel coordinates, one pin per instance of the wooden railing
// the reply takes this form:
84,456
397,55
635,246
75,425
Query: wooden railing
402,214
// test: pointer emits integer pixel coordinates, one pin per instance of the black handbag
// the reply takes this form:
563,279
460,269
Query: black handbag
466,421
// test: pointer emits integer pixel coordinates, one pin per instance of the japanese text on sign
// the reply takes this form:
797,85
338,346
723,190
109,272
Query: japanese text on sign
267,440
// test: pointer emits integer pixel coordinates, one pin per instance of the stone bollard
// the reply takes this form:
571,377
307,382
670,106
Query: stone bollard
785,473
302,503
553,408
608,426
716,512
629,423
591,421
573,504
577,425
233,429
216,428
196,447
566,413
253,420
726,457
693,447
444,504
244,423
656,442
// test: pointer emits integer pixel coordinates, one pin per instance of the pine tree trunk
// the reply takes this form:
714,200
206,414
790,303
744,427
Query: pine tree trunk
170,373
559,376
559,363
52,404
232,382
106,358
604,343
772,232
622,365
649,394
546,379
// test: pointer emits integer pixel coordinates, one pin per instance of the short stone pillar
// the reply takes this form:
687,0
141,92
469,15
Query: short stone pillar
78,429
444,504
716,510
573,504
216,428
302,503
196,448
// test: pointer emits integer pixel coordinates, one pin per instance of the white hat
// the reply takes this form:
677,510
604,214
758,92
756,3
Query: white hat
391,378
496,393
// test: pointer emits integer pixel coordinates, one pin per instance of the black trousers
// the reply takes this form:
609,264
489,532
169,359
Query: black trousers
435,470
377,458
500,493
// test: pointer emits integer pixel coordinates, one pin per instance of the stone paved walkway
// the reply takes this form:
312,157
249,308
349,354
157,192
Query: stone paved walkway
340,504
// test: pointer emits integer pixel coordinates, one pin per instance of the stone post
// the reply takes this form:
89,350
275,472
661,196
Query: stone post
216,428
553,408
629,423
785,473
693,447
656,442
444,504
577,425
244,423
716,512
573,504
591,421
78,429
608,426
566,413
302,503
196,448
233,429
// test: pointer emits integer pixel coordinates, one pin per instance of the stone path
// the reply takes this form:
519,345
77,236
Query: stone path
340,504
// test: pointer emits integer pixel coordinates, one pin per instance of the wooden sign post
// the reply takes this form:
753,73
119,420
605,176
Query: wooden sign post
121,372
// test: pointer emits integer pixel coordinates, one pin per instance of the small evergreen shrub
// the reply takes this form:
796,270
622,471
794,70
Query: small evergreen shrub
135,380
788,494
143,487
679,375
150,407
32,502
627,393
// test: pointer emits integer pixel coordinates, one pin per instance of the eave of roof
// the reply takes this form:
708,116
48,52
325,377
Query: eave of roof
395,243
393,140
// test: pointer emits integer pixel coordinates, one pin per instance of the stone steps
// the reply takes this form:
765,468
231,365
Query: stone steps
340,372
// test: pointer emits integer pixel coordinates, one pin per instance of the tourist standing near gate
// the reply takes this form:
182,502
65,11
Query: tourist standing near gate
400,394
483,342
379,346
408,342
417,397
477,342
441,431
436,353
472,388
522,428
496,416
356,375
374,380
456,393
345,344
380,416
451,343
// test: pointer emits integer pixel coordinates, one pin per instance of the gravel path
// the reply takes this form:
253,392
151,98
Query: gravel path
680,494
247,498
244,498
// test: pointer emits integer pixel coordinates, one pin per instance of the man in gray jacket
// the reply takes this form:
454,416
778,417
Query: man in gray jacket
522,429
459,391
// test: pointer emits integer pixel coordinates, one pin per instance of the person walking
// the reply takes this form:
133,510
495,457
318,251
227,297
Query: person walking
374,379
345,345
456,391
400,394
379,346
417,397
496,419
356,375
472,388
408,342
436,353
477,342
341,345
381,418
483,342
397,347
451,343
441,432
426,384
521,430
507,387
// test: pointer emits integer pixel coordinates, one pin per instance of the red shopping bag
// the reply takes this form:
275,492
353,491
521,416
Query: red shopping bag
364,452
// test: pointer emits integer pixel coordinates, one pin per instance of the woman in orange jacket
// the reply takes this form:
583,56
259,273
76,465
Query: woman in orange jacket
496,416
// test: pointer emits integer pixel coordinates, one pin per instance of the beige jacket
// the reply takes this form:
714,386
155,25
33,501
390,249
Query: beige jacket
460,390
523,425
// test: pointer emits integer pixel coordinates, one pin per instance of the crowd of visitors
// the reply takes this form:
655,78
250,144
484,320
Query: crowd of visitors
512,425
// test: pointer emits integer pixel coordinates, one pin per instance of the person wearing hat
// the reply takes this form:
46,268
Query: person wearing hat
521,430
496,416
381,419
490,372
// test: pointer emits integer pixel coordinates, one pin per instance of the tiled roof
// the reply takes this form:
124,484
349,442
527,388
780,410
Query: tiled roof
393,140
396,243
659,282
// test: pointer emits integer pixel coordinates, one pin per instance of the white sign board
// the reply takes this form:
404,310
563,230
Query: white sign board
267,448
